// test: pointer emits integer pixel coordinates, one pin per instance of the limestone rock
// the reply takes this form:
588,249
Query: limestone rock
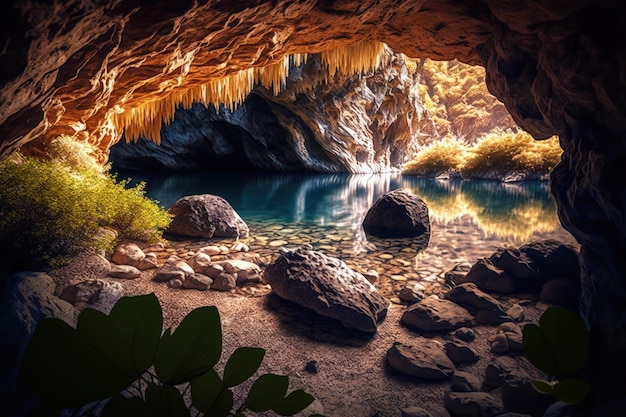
124,271
328,286
94,293
397,214
128,254
425,360
173,268
433,314
472,404
205,216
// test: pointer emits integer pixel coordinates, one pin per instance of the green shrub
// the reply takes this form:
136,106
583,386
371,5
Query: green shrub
50,212
434,159
127,362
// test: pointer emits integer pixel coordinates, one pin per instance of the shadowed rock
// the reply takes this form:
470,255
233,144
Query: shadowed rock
397,214
328,286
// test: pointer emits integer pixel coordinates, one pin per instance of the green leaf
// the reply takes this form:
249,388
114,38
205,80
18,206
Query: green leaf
120,406
538,350
559,345
571,391
568,339
61,366
242,364
140,321
267,392
541,386
294,403
205,390
193,348
165,401
104,335
223,404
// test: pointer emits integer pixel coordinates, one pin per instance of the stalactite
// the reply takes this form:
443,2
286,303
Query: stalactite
146,120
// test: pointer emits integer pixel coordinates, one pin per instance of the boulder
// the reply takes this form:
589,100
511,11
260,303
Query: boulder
457,274
128,254
98,294
425,360
205,216
490,277
328,286
397,214
26,298
433,314
173,268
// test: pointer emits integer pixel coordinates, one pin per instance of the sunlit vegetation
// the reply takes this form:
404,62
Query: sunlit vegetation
495,155
51,210
515,212
458,102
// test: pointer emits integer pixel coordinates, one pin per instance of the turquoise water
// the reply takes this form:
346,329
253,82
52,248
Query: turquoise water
506,212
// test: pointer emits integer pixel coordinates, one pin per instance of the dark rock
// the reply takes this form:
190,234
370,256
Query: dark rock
397,214
412,292
490,278
519,395
460,352
433,314
492,318
328,286
465,334
561,292
468,294
472,404
498,369
26,298
426,360
311,367
124,271
457,274
205,216
465,382
516,312
94,293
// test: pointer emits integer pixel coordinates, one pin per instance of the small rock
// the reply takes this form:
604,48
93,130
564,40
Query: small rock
224,282
246,272
128,254
426,360
516,312
311,367
239,247
498,369
472,404
519,395
200,262
149,262
515,342
499,343
209,250
460,352
465,382
490,278
371,275
435,314
198,282
421,412
457,274
465,334
174,283
492,318
124,271
412,292
173,268
510,327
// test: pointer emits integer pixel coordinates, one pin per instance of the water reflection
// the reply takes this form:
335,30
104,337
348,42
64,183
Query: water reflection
505,211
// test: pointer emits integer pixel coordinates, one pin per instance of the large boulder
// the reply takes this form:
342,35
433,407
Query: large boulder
328,286
26,298
206,216
397,214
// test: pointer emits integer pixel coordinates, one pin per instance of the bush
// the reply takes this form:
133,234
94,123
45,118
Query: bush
50,212
439,157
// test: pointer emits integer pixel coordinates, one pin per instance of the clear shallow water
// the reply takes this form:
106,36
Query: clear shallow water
505,212
470,219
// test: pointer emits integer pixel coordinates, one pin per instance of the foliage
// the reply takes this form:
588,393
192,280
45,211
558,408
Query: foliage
437,158
498,153
74,154
125,360
558,346
50,212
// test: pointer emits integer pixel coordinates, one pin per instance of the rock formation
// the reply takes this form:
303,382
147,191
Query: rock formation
318,122
79,67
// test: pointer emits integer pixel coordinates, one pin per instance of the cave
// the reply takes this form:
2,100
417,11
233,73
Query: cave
79,68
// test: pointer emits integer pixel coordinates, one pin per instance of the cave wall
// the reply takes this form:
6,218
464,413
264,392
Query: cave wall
559,67
357,123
